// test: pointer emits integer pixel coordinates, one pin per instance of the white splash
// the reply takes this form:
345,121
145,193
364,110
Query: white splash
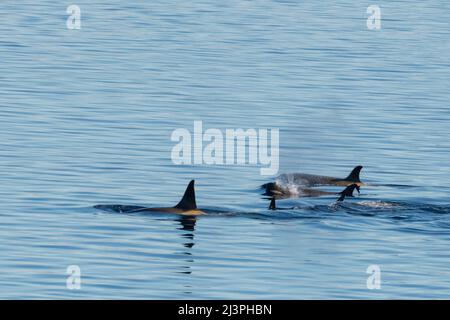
378,204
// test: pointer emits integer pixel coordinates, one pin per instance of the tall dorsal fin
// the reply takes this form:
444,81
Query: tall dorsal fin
188,200
272,205
348,192
354,175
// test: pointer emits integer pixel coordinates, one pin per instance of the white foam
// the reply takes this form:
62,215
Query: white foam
378,204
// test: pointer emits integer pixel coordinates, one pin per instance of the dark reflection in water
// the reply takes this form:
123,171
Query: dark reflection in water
188,225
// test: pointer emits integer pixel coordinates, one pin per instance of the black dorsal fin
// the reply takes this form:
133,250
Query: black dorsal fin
272,205
348,192
354,175
188,200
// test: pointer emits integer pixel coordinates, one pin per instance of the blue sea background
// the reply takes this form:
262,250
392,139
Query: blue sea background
86,118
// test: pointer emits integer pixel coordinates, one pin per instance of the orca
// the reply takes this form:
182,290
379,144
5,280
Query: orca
300,192
347,192
272,205
186,207
282,187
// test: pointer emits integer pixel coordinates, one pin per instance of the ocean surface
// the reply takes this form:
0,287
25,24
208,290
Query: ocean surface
86,118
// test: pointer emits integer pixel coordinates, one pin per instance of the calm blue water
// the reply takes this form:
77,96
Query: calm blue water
86,117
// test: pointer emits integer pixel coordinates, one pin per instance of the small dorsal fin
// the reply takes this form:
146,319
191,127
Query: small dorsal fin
188,200
348,192
272,205
354,175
